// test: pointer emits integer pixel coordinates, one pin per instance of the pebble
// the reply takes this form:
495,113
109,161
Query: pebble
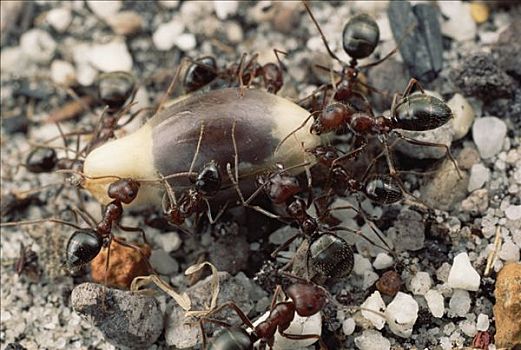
85,74
220,255
464,116
401,314
361,265
513,212
169,4
383,261
164,38
460,25
459,304
507,49
186,41
371,339
482,323
462,274
169,241
420,283
509,251
370,278
508,306
468,328
489,135
38,45
104,8
479,75
408,232
282,234
348,326
476,203
479,175
234,32
239,289
127,319
435,303
126,23
225,9
110,57
59,18
375,303
63,73
442,135
163,263
390,283
479,11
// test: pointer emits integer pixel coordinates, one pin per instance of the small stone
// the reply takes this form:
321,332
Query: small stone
186,41
63,73
38,45
468,157
59,18
125,264
463,116
508,306
169,4
370,278
375,303
482,323
371,339
163,263
234,32
509,251
166,34
420,283
85,74
110,57
104,8
513,212
459,24
361,265
401,314
408,232
389,283
476,203
435,303
479,175
468,328
508,48
126,23
479,11
282,234
169,241
459,304
225,9
462,274
125,318
383,261
442,135
348,326
489,135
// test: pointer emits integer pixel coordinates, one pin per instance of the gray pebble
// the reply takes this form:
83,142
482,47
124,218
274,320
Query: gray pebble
408,233
127,319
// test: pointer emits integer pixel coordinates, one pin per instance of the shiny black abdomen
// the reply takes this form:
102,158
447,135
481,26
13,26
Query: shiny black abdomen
421,112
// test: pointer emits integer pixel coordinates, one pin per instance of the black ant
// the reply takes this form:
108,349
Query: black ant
204,70
305,300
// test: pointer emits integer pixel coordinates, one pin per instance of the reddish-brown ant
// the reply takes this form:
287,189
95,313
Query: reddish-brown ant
305,300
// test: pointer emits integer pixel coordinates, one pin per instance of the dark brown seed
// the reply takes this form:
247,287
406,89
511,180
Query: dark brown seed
389,283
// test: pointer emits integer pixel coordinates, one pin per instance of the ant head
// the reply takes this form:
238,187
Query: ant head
41,160
331,256
115,88
200,73
360,36
208,181
333,117
383,189
82,247
297,209
308,298
124,190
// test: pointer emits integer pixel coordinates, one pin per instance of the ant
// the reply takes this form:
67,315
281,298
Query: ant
204,70
305,300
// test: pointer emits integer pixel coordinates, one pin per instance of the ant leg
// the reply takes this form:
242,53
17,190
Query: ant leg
238,311
412,83
276,294
431,144
350,155
134,229
203,332
277,51
198,147
219,213
305,336
285,245
368,109
172,85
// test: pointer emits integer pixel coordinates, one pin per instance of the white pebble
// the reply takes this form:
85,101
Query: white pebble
513,212
479,175
435,303
126,23
401,314
468,327
110,57
348,326
104,8
361,265
459,24
85,74
166,34
170,4
459,304
371,339
38,45
420,283
462,274
186,41
509,251
59,18
483,323
168,241
224,9
489,134
370,278
375,303
163,263
62,72
383,261
463,115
